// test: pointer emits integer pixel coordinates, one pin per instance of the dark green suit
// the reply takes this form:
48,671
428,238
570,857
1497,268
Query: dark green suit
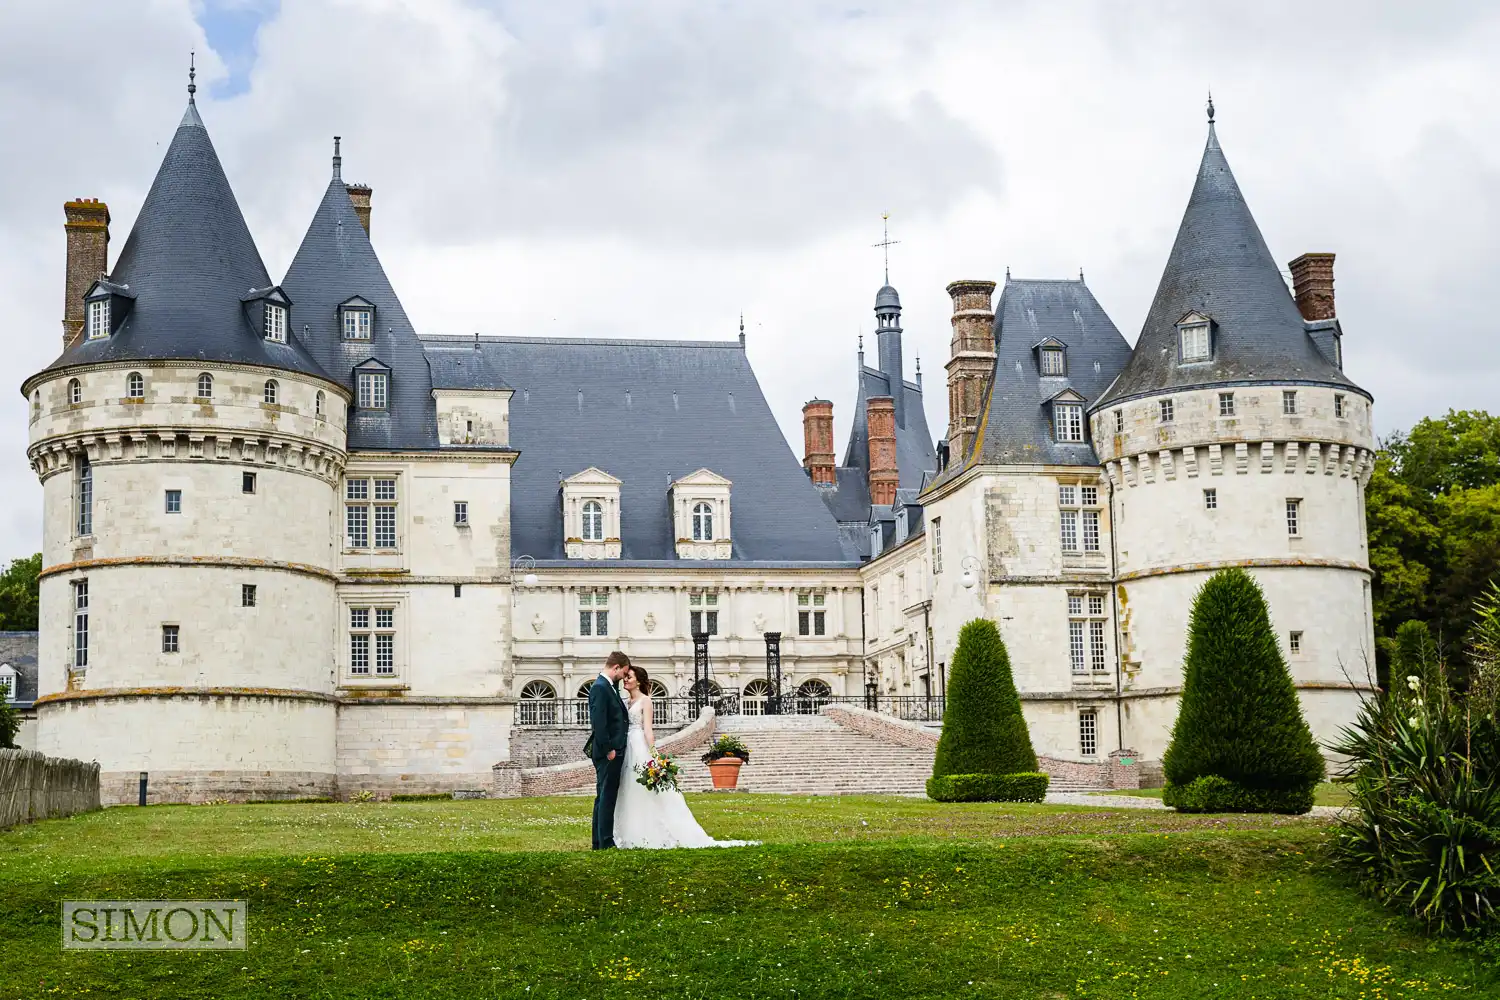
610,724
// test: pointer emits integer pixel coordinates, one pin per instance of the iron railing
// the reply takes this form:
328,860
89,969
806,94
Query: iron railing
681,710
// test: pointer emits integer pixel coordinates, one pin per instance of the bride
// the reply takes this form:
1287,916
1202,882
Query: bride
644,818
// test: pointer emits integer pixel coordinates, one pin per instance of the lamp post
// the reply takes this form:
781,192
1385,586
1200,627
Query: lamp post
528,565
970,566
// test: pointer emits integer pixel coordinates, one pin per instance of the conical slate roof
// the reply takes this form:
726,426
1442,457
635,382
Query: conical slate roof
336,263
1221,267
189,261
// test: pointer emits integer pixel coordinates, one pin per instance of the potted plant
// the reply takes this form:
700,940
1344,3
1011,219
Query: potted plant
726,755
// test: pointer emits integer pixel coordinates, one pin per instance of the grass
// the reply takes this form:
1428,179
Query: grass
1328,793
865,897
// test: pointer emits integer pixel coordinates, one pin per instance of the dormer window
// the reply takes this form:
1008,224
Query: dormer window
1052,361
1193,339
275,323
1067,422
703,523
357,318
372,390
356,324
593,521
98,319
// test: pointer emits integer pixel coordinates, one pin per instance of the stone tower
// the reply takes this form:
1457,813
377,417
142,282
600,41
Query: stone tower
1233,438
189,451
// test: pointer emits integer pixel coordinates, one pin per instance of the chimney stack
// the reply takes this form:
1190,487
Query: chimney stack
880,423
972,363
360,195
87,229
817,441
1312,285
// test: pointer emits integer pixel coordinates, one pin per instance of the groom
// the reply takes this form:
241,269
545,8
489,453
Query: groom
606,745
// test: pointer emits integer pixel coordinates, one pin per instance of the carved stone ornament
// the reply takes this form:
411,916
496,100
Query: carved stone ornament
650,622
758,624
537,622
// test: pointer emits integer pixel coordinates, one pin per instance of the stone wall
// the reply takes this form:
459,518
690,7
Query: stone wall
510,779
33,786
546,746
1066,775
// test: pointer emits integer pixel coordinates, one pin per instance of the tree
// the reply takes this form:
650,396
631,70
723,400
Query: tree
985,740
18,595
1240,743
10,724
1433,512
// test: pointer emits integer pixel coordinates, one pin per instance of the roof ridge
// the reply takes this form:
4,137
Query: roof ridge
447,338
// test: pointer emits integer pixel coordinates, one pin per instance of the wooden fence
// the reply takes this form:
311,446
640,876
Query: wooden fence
34,786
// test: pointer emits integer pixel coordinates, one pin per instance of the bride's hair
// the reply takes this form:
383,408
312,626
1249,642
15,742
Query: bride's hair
641,677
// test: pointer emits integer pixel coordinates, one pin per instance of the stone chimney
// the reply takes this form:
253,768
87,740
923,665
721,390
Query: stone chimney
972,363
87,229
817,441
360,195
880,423
1312,284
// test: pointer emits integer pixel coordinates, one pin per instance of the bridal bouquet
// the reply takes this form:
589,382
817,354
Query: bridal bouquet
658,774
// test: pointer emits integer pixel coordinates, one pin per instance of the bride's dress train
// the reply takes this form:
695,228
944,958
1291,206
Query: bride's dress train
644,818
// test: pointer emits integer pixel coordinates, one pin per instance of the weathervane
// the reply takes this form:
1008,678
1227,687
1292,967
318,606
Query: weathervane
1210,107
886,243
192,76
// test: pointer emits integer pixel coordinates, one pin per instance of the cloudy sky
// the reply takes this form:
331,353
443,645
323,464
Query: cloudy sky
653,168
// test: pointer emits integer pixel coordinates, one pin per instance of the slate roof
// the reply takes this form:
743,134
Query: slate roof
188,262
463,366
915,451
1221,267
1016,426
335,263
649,412
19,650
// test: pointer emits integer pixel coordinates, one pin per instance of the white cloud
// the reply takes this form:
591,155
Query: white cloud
652,169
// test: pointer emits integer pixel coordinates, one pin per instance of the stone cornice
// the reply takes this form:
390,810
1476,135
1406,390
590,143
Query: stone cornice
1172,691
445,454
259,449
226,562
285,694
1218,564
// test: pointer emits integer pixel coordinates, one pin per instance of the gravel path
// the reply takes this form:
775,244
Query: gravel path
1139,802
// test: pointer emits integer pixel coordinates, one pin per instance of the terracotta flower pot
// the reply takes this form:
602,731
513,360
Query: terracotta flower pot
725,771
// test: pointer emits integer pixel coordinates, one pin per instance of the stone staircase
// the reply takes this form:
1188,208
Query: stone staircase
813,755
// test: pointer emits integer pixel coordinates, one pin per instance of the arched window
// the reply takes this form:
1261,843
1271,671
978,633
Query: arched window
583,689
75,391
318,405
811,696
658,689
205,386
538,705
593,521
753,699
135,386
703,523
270,390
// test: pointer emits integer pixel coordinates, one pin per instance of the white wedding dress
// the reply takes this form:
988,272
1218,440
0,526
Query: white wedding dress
648,819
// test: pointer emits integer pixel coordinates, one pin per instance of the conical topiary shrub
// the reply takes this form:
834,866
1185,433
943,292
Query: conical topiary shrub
1240,743
985,752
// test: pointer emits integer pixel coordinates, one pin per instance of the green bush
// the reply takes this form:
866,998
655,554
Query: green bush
984,731
422,797
1239,718
988,787
1422,833
10,725
1213,794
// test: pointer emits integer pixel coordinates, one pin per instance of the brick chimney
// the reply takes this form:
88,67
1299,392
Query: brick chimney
972,363
87,229
360,195
1312,284
817,441
880,422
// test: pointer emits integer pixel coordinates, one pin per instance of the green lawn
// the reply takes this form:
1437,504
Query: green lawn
1328,794
860,897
